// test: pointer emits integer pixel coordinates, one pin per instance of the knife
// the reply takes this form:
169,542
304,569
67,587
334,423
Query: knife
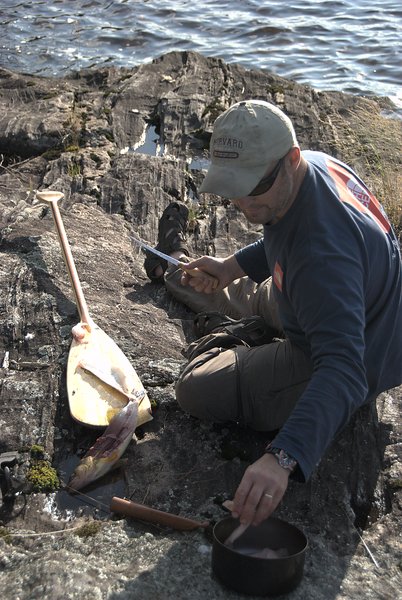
146,513
193,272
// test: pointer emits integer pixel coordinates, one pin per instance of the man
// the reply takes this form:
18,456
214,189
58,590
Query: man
326,276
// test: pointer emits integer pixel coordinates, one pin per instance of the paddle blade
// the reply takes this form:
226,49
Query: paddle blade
95,399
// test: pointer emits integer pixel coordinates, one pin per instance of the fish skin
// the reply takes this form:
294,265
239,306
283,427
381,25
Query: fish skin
108,379
107,449
80,331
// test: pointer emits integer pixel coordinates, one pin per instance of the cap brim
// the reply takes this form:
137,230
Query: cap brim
232,182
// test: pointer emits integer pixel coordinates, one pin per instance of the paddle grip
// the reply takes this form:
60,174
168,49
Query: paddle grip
145,513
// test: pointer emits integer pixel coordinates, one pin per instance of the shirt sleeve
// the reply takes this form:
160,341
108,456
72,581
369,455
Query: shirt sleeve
326,298
253,261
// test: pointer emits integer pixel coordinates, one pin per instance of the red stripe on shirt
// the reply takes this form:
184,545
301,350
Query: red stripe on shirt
278,276
352,192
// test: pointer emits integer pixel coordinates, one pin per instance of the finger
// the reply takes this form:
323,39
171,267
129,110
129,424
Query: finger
185,278
194,263
247,513
208,280
211,285
265,507
240,497
202,284
198,284
199,262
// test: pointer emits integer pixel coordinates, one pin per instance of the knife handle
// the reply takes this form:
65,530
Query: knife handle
146,513
199,274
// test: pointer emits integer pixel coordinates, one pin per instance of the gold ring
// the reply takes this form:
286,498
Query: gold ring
268,496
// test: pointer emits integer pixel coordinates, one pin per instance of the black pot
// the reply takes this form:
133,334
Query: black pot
259,576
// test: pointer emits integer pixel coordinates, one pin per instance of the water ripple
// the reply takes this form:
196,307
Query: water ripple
342,44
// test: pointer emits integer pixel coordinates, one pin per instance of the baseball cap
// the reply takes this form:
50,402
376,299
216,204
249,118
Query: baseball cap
245,139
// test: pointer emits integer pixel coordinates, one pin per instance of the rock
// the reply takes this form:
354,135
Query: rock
121,144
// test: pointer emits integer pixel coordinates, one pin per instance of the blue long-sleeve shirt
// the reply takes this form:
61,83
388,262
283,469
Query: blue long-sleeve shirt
336,268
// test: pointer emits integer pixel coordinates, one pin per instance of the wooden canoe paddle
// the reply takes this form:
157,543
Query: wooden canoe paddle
100,378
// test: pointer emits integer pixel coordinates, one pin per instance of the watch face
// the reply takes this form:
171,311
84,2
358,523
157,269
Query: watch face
284,460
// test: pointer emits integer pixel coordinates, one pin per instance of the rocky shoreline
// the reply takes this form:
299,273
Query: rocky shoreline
121,144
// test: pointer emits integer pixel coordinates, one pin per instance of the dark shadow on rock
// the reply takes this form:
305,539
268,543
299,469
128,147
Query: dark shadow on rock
338,499
157,295
345,494
28,249
9,510
177,573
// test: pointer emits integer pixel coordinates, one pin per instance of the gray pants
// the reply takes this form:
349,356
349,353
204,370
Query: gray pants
257,386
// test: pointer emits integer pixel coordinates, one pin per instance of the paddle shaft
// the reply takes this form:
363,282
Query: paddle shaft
68,257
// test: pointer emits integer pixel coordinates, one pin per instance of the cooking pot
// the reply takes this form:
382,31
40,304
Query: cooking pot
238,567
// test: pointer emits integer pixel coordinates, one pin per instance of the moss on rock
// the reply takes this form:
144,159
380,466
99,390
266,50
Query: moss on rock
43,476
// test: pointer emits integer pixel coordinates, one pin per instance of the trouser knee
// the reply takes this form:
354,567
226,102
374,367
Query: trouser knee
206,388
189,395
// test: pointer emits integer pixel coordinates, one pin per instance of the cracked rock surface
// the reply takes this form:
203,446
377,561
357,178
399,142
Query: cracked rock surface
121,144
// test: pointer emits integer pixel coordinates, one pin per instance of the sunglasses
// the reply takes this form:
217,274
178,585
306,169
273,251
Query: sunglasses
267,182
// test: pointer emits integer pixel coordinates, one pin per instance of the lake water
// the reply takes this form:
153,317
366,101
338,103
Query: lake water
347,45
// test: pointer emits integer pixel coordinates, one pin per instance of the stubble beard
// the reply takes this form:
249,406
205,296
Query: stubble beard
270,216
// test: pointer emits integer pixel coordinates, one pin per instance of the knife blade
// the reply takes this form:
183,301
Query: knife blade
193,272
166,257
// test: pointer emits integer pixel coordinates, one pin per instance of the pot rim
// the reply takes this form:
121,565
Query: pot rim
276,558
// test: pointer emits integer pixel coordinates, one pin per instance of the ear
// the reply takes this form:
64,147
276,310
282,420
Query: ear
294,157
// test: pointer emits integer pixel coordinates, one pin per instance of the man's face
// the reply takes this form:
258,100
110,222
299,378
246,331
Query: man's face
270,206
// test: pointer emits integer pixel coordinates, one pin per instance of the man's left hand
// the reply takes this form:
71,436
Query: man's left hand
260,491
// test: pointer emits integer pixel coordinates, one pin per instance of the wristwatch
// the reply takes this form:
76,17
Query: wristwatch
285,460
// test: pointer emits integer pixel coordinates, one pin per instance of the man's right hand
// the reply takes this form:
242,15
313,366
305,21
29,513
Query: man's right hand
224,270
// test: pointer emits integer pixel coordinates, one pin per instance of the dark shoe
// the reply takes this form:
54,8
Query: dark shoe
171,238
252,330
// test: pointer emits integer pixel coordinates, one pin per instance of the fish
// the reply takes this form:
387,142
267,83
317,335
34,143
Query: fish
107,449
265,552
261,552
80,331
112,378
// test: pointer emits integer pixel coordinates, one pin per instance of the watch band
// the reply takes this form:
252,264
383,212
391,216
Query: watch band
285,460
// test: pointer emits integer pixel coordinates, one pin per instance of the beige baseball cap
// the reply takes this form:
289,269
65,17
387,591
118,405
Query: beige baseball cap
246,139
